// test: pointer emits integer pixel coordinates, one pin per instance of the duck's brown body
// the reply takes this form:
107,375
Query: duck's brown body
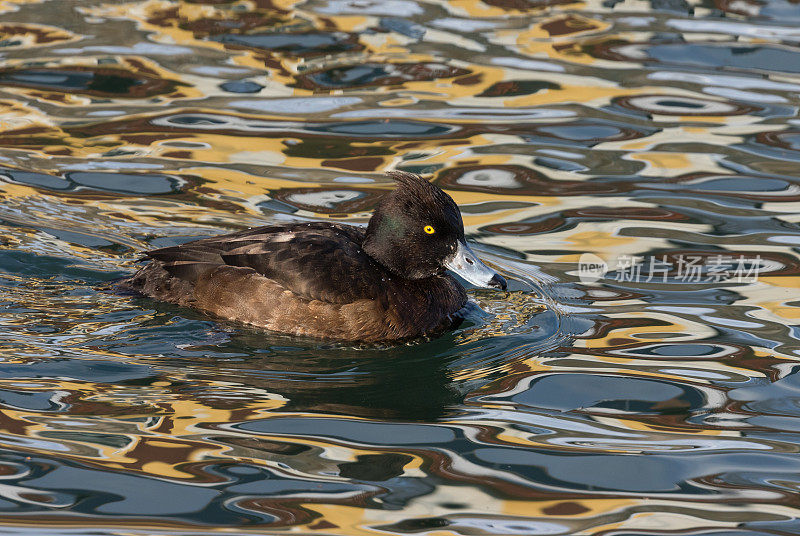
302,279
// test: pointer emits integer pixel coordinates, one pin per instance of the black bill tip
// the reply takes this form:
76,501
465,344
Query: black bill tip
498,281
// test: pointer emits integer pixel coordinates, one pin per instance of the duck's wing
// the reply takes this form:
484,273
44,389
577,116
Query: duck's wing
318,261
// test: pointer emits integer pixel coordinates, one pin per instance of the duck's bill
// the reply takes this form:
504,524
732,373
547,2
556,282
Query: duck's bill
465,263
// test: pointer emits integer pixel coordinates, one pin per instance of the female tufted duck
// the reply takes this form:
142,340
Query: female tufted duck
330,280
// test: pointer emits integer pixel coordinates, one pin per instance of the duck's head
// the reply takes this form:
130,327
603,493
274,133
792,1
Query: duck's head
417,232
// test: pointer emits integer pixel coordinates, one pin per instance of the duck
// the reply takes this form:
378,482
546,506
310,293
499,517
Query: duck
329,280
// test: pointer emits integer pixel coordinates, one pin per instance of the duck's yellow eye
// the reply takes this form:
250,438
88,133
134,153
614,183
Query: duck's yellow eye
430,230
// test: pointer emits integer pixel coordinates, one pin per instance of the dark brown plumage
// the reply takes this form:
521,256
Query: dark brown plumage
325,279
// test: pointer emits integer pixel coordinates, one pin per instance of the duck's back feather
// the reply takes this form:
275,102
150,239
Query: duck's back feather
317,261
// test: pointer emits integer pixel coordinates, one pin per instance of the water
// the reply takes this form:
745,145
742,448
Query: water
653,392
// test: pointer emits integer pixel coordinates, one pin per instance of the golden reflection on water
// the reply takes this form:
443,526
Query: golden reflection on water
566,407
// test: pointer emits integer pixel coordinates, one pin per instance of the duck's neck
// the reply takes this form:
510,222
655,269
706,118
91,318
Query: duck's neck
379,243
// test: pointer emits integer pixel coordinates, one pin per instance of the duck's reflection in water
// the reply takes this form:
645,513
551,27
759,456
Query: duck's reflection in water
401,382
421,380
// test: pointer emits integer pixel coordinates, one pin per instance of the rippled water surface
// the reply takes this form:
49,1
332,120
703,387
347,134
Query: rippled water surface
659,396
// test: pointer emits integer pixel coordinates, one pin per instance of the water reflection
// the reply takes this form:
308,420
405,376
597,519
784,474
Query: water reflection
395,382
